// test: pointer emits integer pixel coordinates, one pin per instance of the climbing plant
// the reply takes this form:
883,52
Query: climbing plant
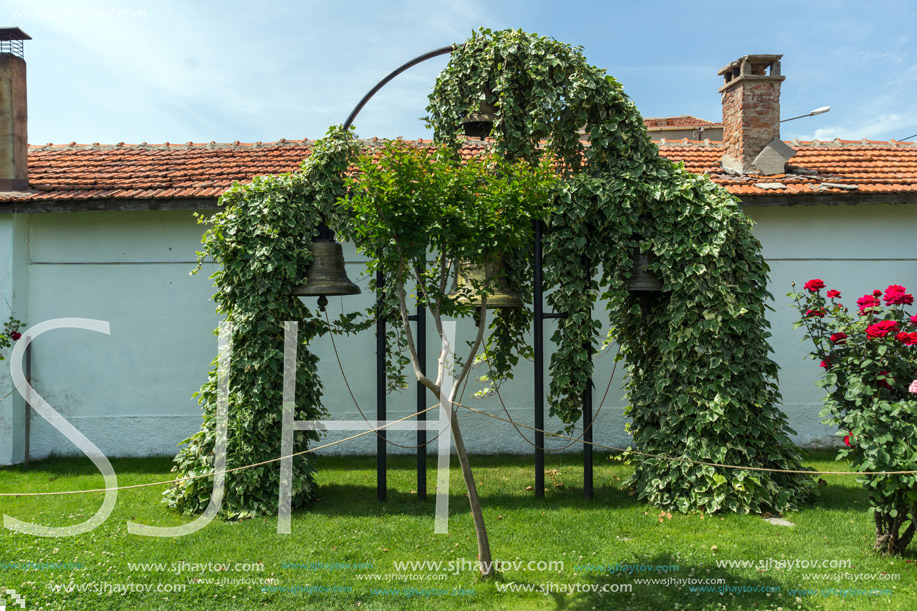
701,385
260,240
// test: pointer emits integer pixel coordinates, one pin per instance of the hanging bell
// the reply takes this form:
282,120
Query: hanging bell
479,124
326,274
470,275
643,280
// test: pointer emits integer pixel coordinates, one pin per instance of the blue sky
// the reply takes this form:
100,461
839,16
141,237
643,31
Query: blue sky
225,71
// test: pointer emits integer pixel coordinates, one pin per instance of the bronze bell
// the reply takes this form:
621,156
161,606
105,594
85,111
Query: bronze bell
479,124
643,280
326,274
491,275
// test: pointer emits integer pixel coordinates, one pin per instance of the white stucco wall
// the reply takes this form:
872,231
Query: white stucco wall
130,392
854,249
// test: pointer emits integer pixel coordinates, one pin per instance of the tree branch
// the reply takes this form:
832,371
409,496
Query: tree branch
403,308
466,369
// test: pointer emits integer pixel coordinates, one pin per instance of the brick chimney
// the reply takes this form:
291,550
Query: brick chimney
14,139
751,116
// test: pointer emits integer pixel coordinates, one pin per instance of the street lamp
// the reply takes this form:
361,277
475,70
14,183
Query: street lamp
817,111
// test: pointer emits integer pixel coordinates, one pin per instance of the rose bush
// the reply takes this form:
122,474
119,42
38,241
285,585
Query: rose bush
869,359
9,334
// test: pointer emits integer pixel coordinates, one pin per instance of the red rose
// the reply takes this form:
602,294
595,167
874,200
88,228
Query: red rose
15,335
896,294
914,319
847,440
832,294
877,293
881,329
866,302
839,338
814,285
908,339
886,382
825,363
820,313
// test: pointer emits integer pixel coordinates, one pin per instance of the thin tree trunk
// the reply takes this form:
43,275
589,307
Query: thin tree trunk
480,529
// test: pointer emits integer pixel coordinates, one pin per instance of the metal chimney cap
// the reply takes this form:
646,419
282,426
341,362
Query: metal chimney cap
13,34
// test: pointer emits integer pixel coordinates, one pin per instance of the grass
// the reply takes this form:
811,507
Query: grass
349,526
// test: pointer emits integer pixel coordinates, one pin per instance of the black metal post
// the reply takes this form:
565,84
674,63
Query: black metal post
28,407
587,436
381,484
421,318
587,413
538,340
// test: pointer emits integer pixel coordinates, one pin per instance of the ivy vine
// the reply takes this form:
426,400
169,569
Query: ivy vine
701,383
260,241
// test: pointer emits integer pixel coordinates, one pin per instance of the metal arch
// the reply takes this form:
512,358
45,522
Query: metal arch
420,58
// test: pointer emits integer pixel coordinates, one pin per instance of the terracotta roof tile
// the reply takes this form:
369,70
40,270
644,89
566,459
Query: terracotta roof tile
683,121
205,170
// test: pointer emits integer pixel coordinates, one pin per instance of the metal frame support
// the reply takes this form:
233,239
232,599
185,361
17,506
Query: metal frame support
538,340
421,319
381,405
381,467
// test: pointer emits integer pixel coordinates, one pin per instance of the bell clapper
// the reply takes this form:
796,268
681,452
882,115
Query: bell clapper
322,302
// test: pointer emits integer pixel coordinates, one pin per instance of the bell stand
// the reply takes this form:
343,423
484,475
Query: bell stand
420,319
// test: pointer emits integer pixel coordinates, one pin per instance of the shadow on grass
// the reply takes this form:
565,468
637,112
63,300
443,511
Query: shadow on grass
746,588
355,500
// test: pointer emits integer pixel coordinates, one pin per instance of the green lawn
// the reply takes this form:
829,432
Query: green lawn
349,527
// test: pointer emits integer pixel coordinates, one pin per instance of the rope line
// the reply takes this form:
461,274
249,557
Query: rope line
359,409
689,460
477,411
233,470
573,441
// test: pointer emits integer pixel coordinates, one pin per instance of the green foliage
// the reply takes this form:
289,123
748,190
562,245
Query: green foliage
701,383
416,211
867,371
260,240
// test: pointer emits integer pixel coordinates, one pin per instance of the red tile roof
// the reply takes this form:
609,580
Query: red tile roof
203,171
684,121
837,166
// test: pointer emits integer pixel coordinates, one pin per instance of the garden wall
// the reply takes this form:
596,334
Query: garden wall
130,392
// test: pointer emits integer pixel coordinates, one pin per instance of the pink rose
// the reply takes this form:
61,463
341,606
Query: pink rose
913,387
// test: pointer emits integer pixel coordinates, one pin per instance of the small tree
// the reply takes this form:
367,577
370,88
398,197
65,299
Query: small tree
417,212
